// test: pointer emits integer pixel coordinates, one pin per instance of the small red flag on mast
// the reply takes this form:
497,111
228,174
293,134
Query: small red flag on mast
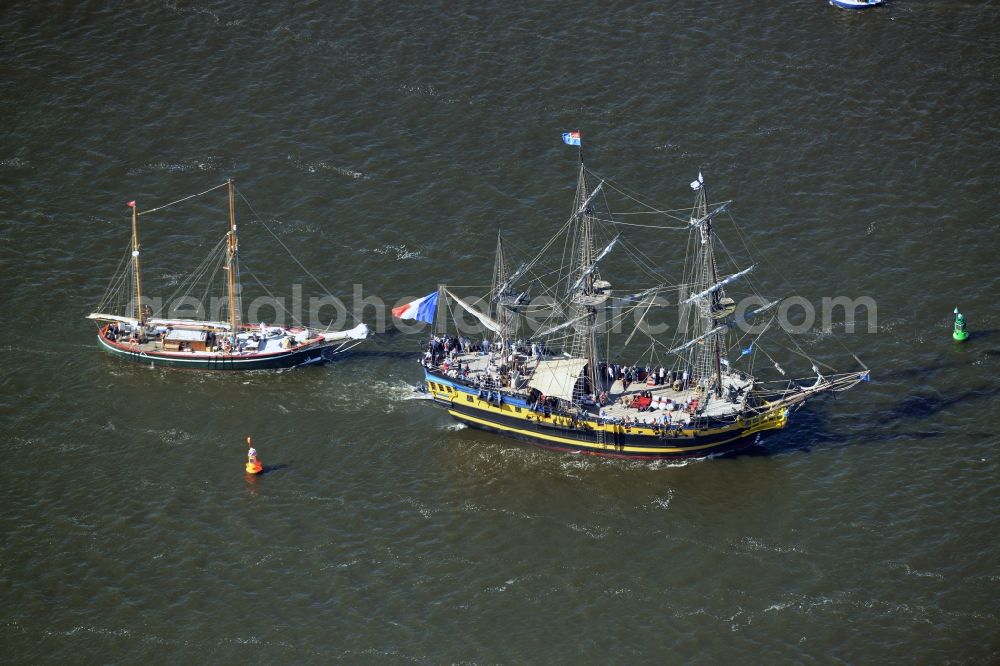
131,204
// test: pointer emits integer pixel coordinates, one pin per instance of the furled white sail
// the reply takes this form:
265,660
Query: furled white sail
559,327
106,317
701,220
486,321
359,332
763,308
687,344
718,285
190,323
593,265
642,294
583,206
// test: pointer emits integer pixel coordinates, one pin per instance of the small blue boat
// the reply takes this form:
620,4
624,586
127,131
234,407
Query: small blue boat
856,4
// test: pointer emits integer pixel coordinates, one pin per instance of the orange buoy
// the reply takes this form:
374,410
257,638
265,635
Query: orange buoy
254,466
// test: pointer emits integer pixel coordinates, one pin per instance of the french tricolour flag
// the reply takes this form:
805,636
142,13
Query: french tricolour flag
422,309
571,138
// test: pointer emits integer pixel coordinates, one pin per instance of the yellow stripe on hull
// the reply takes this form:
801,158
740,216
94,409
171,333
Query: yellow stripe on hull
776,418
771,420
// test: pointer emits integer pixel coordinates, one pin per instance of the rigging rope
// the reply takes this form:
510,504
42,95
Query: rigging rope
117,281
273,297
172,203
644,226
294,258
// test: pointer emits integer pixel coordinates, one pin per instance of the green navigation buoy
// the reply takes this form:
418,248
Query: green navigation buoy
960,334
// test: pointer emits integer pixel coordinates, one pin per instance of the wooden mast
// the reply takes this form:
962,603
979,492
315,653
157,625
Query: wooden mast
584,334
231,261
714,300
135,263
500,314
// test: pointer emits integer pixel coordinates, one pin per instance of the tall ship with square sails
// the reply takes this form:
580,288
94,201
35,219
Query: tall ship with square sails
549,371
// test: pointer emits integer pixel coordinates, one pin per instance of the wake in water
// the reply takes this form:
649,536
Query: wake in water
398,251
15,163
316,166
191,165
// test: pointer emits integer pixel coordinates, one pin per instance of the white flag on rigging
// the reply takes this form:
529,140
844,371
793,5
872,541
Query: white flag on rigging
696,184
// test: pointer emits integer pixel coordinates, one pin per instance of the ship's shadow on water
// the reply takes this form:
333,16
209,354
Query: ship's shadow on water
918,407
806,431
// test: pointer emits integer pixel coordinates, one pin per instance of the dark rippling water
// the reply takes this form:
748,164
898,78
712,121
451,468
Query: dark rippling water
387,141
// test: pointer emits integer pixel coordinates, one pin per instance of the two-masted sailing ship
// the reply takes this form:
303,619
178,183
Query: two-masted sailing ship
547,371
129,328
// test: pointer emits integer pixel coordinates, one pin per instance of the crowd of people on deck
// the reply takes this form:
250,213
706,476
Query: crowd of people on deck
658,423
645,401
505,364
652,376
133,335
442,350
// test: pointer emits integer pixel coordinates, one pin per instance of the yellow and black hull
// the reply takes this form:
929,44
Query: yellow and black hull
513,417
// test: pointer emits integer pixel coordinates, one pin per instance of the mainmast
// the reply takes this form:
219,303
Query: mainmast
713,276
135,263
707,358
231,266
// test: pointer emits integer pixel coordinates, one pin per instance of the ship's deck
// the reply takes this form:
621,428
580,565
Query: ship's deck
620,400
249,343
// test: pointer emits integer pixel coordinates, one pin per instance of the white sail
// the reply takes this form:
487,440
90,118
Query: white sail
593,266
701,220
583,206
359,332
484,319
190,323
561,326
687,344
515,275
99,316
763,308
640,296
557,378
718,285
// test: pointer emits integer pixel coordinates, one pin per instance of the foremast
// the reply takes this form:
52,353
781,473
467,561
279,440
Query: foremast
708,355
503,302
708,318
